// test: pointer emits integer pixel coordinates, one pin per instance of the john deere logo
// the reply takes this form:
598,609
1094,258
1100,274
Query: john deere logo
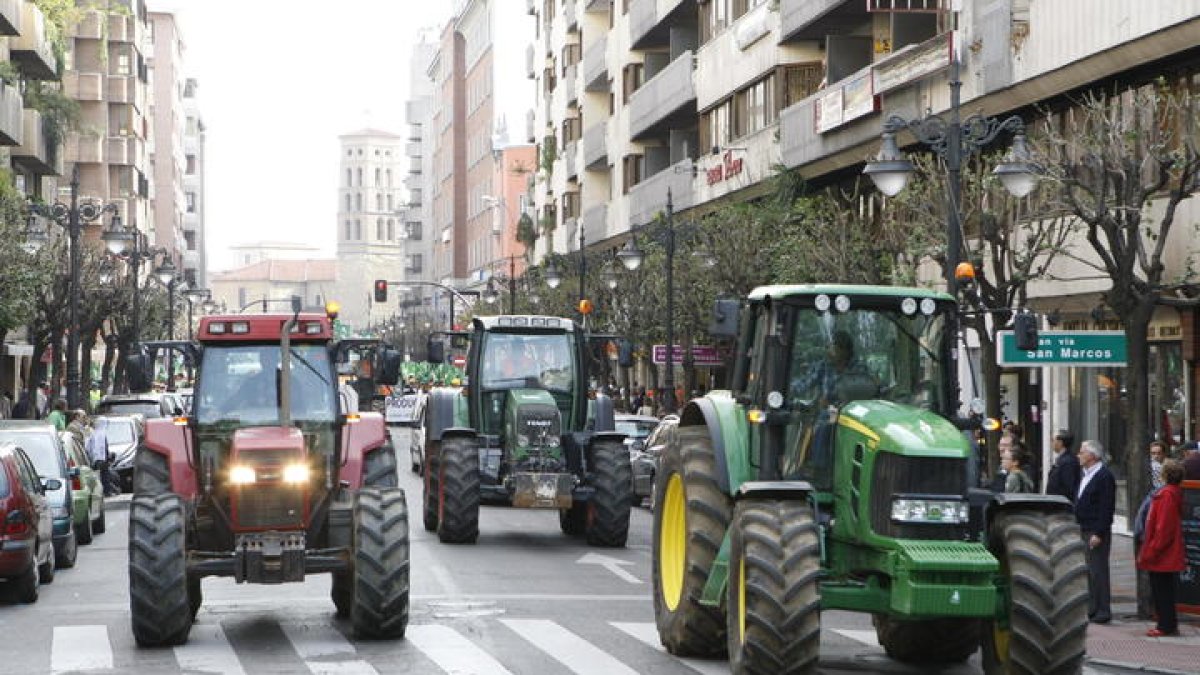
955,598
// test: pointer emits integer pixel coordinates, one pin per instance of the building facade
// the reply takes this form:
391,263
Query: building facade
195,257
164,63
273,282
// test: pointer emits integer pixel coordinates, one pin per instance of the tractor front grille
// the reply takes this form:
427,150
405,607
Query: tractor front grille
901,475
269,506
539,423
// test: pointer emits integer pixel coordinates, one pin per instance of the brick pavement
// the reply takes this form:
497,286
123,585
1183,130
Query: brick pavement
1123,642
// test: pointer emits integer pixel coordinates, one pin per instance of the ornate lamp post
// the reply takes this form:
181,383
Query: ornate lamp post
131,242
193,295
71,218
491,294
954,140
554,277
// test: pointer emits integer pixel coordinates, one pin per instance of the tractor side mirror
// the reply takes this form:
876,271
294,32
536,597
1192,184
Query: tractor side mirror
437,351
725,318
387,366
138,369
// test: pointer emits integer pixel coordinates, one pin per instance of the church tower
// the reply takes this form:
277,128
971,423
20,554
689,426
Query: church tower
370,229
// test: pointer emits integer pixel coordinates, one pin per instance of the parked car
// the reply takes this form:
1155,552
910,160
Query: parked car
39,439
26,526
149,405
87,503
124,433
416,433
644,459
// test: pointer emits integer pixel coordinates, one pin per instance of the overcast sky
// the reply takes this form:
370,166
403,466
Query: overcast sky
279,81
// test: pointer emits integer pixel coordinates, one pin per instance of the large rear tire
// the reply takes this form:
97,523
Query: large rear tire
158,584
928,641
689,525
458,492
380,607
774,617
151,475
607,522
429,482
1042,558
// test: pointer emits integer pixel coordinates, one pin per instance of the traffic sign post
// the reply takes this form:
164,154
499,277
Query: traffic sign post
1065,348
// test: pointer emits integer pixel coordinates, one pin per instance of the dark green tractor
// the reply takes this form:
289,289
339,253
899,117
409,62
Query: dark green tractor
834,474
524,431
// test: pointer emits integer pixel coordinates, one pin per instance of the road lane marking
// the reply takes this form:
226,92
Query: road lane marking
452,652
76,648
867,637
647,633
208,651
315,642
611,564
578,655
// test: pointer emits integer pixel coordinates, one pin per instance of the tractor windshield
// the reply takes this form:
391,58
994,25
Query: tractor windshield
866,354
240,383
524,360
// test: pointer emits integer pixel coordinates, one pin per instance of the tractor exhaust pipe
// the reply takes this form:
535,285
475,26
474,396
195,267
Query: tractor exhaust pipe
285,365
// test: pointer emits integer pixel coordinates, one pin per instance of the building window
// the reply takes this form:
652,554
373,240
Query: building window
798,81
413,230
358,172
349,178
391,232
389,176
358,202
191,202
347,203
347,235
379,229
389,202
378,202
570,205
631,172
191,165
631,80
358,230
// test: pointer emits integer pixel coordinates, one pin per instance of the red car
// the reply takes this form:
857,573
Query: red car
26,526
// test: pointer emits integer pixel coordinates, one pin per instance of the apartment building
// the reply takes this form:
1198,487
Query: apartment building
107,73
195,256
418,209
641,101
370,220
164,62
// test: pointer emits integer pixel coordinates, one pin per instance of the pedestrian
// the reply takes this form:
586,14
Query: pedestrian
1191,460
1000,479
1162,554
1158,452
97,450
1094,507
1014,462
78,426
1064,472
58,416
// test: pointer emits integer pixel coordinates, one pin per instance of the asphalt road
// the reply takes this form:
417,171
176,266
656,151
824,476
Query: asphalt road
524,599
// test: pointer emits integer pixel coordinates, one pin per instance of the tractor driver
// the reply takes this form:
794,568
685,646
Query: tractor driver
830,382
511,362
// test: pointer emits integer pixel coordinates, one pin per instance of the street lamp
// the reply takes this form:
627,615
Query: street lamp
71,218
554,276
631,257
166,275
491,294
131,242
191,295
953,140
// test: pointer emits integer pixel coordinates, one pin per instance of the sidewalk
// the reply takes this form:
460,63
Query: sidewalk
1123,643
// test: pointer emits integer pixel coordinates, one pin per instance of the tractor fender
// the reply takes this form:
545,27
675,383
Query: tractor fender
781,490
602,409
703,411
440,413
985,505
358,439
163,436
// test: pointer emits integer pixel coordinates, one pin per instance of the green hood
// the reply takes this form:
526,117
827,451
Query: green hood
904,429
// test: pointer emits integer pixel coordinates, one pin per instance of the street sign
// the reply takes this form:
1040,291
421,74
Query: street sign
458,361
1065,348
702,355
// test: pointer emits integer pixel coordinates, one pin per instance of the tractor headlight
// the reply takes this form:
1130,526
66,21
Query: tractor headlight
522,440
552,441
296,473
949,511
242,475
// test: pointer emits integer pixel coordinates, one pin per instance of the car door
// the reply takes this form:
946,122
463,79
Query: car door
36,495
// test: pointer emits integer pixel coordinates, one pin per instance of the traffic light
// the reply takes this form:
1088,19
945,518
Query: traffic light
381,290
1025,331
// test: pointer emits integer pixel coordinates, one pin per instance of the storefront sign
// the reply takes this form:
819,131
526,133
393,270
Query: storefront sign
1065,348
702,355
912,63
829,110
858,99
728,168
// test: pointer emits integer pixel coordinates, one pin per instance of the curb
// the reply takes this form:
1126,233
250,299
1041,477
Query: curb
1138,667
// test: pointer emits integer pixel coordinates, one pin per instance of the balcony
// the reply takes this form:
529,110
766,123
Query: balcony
649,197
650,21
814,19
668,99
414,165
595,146
191,221
122,89
595,223
530,127
595,65
531,65
416,112
570,15
122,28
597,5
124,150
412,149
84,149
570,78
31,50
10,17
571,159
12,122
191,259
89,27
84,86
36,153
800,142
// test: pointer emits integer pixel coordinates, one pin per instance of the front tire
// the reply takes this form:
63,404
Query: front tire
774,619
1042,558
689,526
151,475
67,553
158,585
607,522
380,576
27,585
100,523
429,483
458,492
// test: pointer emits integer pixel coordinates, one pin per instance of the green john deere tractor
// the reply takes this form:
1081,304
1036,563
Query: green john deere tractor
833,475
524,431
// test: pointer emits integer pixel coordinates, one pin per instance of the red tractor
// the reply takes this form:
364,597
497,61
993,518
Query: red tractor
268,479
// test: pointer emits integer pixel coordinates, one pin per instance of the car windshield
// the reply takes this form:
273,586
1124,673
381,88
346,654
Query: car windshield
144,408
117,431
513,360
239,382
42,451
635,429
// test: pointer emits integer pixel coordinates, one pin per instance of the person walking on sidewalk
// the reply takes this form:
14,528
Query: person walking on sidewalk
1014,462
1158,452
1094,508
1064,472
1161,555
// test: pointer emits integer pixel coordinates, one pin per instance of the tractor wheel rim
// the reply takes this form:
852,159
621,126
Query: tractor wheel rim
1000,640
672,541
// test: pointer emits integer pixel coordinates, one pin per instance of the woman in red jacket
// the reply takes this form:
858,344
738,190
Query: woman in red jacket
1162,551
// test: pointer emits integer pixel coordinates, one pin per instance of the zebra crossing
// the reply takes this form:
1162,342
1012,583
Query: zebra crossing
493,646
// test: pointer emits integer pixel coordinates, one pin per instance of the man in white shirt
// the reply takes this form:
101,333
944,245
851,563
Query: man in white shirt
1094,508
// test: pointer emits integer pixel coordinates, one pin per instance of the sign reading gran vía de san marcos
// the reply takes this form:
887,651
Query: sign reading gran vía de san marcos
1065,348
